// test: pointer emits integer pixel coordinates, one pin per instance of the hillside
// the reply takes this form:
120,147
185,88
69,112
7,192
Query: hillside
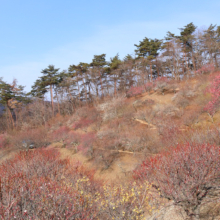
109,139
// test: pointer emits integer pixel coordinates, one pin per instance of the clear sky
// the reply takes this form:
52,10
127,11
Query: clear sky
37,33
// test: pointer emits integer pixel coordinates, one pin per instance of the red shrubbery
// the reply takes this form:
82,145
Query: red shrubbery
38,185
86,141
161,84
79,141
186,174
134,91
82,123
82,142
170,133
206,69
214,90
60,133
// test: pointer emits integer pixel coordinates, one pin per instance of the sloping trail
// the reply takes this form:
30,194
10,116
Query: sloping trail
119,151
152,127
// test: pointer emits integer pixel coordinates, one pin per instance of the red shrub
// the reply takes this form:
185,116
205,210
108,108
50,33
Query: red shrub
60,133
83,142
206,69
185,175
214,90
134,91
73,138
82,123
38,185
161,80
86,141
170,133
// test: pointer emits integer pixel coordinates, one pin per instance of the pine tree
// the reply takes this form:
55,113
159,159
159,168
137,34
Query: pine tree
114,71
75,73
99,62
149,49
186,38
171,48
211,42
83,67
11,95
45,83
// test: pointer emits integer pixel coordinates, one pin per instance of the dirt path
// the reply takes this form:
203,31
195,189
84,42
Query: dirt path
119,151
152,127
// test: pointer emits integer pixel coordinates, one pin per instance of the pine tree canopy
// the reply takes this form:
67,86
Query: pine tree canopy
148,48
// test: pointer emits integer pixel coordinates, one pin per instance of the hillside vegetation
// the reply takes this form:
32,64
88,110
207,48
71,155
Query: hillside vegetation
131,139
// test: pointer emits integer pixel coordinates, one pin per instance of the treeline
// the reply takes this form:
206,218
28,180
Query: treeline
191,52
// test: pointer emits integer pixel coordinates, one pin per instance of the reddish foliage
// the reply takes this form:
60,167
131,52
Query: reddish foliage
82,142
134,91
86,141
82,123
185,175
206,69
73,138
161,79
60,133
214,90
38,185
170,133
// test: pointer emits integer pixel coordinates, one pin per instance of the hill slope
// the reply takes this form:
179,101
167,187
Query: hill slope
115,135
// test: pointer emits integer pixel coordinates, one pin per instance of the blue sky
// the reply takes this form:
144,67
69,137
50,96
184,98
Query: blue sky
37,33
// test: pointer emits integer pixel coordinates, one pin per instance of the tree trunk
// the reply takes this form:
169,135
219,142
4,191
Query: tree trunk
51,96
85,89
100,75
90,97
97,90
58,103
115,87
10,116
194,63
16,119
151,72
187,64
72,100
78,88
158,69
216,61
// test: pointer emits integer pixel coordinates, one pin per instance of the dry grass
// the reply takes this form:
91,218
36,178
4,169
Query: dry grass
128,130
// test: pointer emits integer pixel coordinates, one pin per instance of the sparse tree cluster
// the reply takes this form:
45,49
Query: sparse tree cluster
175,56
